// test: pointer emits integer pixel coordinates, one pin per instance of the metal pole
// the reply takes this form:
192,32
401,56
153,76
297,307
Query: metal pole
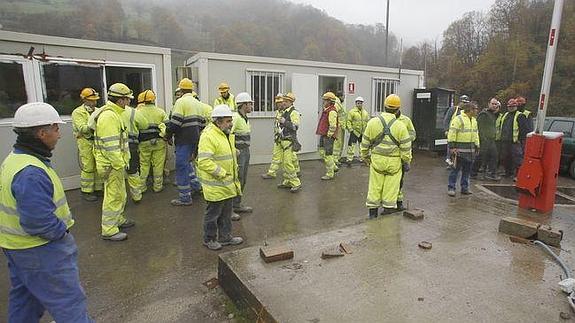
387,34
549,65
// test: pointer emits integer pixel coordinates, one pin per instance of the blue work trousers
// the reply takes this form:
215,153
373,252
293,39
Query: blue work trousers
183,170
46,278
462,165
195,184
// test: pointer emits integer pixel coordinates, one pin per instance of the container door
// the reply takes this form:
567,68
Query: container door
305,88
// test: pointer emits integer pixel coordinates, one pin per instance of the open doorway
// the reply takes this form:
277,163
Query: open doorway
334,84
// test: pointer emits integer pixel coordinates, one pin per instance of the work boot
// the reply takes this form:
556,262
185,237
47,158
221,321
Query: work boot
282,185
99,193
243,209
326,178
137,201
348,163
89,197
451,192
128,224
235,216
232,241
120,236
178,202
466,192
295,189
373,213
213,245
400,206
268,176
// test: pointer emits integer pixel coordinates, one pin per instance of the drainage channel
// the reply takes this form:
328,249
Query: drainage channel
565,196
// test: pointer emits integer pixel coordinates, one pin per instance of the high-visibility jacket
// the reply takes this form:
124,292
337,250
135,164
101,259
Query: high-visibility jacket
526,113
288,130
12,235
463,134
207,113
230,102
156,118
409,125
218,165
341,114
515,124
498,124
328,123
357,119
111,137
387,147
242,131
135,122
80,127
186,119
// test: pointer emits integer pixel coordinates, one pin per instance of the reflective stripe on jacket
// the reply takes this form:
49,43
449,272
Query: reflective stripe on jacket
217,165
387,147
12,235
135,122
357,120
463,134
328,124
187,117
156,118
111,138
242,131
515,124
80,127
409,125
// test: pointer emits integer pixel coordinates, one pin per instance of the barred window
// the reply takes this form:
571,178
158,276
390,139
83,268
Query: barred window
263,87
381,88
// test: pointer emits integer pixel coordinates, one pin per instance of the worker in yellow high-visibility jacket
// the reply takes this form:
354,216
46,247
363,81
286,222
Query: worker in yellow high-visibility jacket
385,146
277,152
152,144
134,122
112,159
225,96
357,119
85,141
404,167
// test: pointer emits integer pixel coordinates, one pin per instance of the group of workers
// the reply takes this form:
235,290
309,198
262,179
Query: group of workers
117,142
485,140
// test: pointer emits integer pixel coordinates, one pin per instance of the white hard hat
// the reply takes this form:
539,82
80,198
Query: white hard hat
221,111
359,98
243,97
35,114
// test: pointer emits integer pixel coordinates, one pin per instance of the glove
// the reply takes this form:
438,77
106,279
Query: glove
405,167
282,120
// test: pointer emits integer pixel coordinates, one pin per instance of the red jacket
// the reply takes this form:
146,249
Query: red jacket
323,124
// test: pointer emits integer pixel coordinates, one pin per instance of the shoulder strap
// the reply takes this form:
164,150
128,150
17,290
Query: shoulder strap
386,132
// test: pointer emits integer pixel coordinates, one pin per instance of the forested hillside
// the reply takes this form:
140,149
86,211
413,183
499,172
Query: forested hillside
496,53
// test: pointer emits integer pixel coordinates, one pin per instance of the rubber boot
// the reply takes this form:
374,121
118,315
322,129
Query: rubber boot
373,213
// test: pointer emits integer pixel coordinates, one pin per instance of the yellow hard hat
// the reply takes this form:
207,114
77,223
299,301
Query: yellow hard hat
120,90
289,97
392,102
223,87
279,98
186,84
147,96
89,94
329,96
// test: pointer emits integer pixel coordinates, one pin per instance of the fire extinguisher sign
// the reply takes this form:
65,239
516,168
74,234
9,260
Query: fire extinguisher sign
351,87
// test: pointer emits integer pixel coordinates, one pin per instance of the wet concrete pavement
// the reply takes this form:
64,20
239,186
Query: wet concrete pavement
157,274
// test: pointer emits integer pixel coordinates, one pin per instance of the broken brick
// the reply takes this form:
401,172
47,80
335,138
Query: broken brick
332,253
414,214
518,227
344,247
278,253
550,236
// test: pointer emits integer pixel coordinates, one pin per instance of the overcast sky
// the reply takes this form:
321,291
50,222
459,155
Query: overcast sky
412,20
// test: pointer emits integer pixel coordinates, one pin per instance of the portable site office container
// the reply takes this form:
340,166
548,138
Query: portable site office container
55,69
264,77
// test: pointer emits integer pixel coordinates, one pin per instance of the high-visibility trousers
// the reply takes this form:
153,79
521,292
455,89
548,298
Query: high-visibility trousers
114,199
326,148
353,144
87,166
152,156
384,180
277,158
289,162
338,144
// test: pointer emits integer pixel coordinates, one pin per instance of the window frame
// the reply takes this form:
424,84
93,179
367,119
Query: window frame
374,82
31,82
263,72
566,121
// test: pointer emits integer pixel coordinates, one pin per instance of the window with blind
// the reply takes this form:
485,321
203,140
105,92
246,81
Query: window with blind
381,88
263,87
